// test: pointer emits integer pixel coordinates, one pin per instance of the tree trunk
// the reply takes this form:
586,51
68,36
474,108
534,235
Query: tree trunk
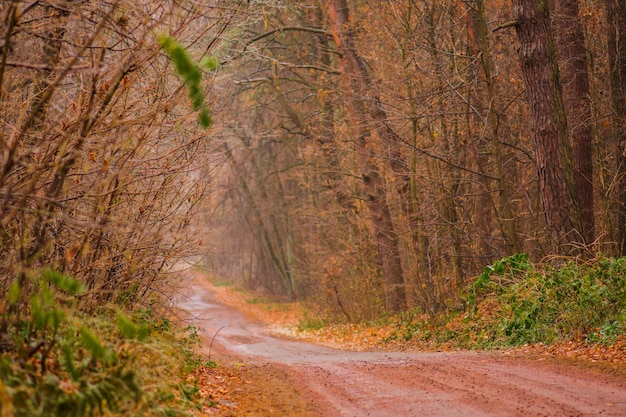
480,45
616,17
557,185
353,72
572,57
270,236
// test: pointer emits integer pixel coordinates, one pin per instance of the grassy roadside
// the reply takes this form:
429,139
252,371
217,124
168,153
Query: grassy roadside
58,360
565,309
110,375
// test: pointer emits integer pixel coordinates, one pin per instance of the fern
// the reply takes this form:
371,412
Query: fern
68,359
92,343
15,293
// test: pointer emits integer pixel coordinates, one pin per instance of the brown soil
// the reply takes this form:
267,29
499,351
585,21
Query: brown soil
248,389
264,375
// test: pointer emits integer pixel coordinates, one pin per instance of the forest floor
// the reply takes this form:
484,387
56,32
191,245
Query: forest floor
268,368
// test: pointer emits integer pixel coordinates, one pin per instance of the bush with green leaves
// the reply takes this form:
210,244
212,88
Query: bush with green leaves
515,302
52,363
543,304
56,361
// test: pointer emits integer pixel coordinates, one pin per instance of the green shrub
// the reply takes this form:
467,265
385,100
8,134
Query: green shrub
56,361
543,304
52,364
495,277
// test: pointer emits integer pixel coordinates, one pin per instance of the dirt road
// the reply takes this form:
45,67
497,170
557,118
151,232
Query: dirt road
332,382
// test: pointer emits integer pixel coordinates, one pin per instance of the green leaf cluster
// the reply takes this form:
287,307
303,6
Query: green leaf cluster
52,364
495,276
191,74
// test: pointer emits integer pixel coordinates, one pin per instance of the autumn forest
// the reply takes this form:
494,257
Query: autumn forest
379,154
371,155
366,157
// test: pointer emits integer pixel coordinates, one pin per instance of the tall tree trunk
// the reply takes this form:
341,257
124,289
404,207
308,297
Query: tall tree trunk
557,185
572,58
480,45
616,17
411,205
354,75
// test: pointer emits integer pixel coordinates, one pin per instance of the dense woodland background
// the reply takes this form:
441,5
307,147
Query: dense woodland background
368,156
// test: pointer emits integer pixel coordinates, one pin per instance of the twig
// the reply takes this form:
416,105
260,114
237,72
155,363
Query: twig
213,340
505,25
43,67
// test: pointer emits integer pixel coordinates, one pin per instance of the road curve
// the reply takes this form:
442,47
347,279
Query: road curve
345,383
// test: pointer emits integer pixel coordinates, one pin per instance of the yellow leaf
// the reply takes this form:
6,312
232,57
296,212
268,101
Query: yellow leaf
6,402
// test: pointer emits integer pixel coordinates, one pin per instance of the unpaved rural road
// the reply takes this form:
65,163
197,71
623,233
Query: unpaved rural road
345,383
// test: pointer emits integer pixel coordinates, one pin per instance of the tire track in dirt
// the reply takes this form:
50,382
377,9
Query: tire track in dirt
345,383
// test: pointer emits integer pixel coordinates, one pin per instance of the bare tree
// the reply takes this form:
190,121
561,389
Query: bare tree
103,168
357,82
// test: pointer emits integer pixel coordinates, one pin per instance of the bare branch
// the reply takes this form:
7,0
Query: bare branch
43,67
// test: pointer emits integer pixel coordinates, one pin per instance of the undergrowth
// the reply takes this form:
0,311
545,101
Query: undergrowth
514,302
57,361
